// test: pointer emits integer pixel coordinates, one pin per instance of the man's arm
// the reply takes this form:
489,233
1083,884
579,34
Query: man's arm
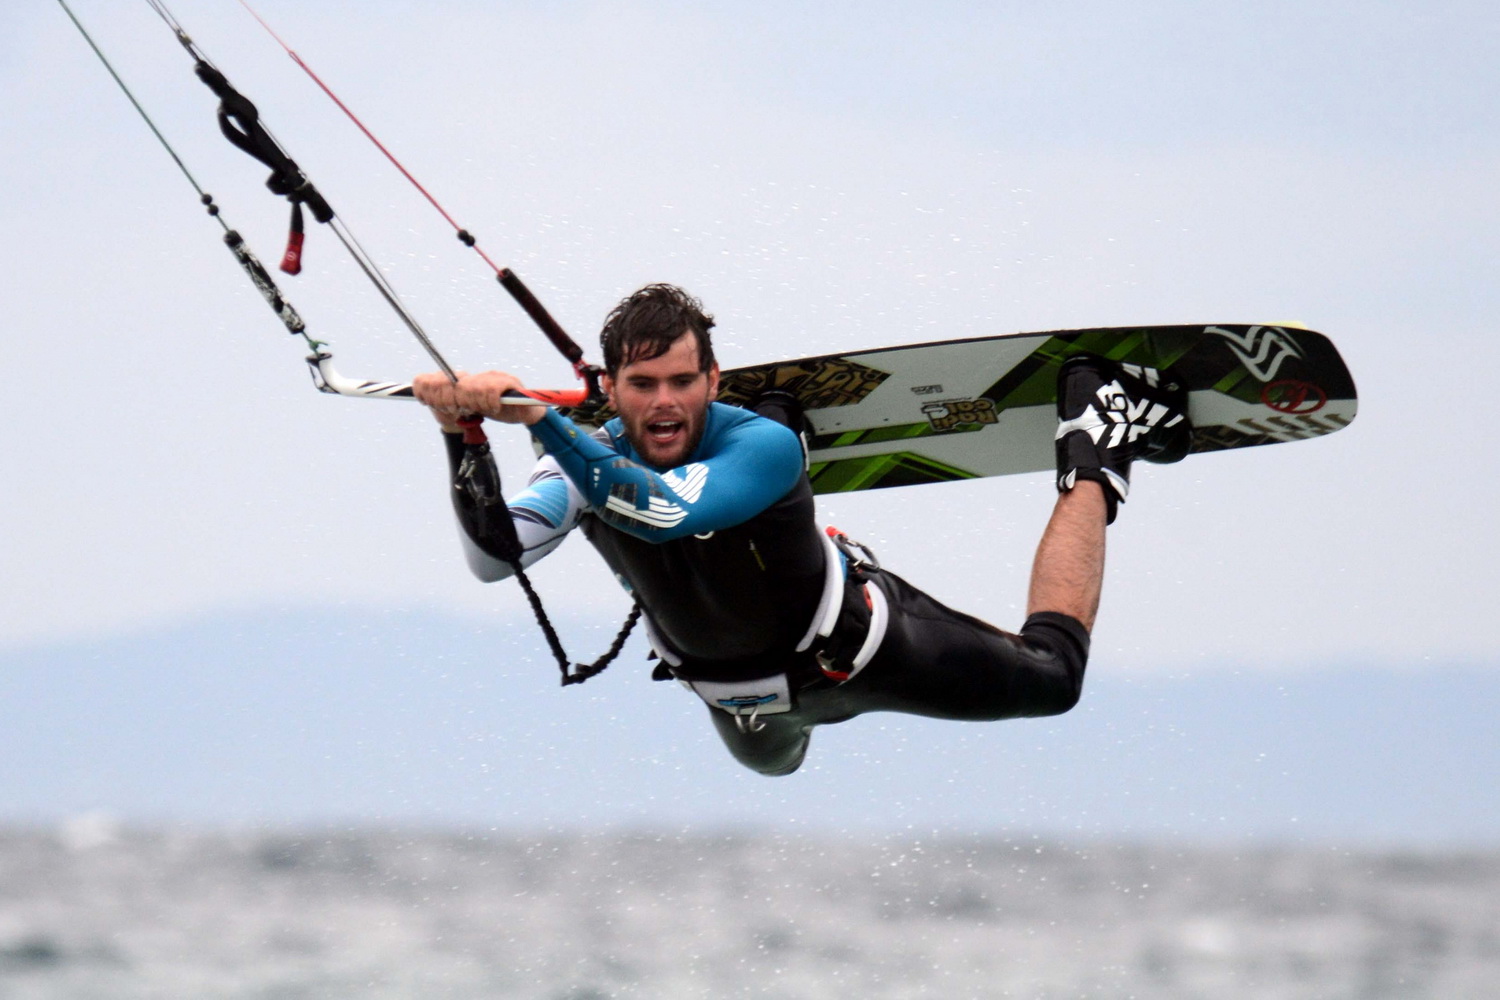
754,463
543,513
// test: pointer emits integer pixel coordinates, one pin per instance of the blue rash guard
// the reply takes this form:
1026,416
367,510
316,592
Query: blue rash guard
722,552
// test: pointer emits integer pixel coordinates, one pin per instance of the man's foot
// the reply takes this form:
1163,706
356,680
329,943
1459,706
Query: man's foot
1109,414
784,408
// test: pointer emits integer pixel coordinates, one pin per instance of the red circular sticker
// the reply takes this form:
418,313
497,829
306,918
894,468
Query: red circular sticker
1293,396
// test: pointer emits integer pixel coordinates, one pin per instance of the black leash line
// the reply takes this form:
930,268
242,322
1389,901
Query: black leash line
478,478
478,472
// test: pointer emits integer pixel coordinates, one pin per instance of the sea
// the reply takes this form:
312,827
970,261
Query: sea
90,910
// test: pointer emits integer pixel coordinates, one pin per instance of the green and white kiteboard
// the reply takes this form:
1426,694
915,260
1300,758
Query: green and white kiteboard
965,409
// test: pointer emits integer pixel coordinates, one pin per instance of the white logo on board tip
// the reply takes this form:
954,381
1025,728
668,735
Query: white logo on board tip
1261,349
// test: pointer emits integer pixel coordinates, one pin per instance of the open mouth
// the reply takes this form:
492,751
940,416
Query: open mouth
663,431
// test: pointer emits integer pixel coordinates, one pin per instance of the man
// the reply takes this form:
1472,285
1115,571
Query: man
704,513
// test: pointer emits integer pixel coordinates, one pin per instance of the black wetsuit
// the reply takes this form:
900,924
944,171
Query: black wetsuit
732,571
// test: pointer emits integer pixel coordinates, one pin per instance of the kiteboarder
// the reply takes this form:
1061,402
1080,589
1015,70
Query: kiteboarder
704,513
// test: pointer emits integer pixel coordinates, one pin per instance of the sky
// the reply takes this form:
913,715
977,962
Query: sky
826,178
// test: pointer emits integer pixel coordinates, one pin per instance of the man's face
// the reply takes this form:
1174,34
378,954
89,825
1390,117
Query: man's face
664,402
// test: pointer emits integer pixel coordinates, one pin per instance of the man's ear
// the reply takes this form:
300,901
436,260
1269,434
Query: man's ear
713,382
607,384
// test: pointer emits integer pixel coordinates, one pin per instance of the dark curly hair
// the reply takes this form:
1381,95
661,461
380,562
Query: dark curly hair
647,323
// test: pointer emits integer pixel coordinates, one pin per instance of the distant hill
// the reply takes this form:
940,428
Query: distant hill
364,716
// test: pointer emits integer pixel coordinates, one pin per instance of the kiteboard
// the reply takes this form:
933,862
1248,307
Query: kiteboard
986,406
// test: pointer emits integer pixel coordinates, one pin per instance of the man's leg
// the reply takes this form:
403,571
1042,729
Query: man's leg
941,663
1108,414
1068,573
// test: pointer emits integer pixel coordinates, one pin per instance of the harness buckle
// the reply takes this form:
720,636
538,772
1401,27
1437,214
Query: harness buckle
750,723
858,553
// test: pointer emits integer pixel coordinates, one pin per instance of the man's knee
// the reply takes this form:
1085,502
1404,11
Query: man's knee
1064,641
1068,698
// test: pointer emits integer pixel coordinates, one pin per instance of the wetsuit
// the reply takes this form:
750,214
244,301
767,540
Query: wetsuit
748,603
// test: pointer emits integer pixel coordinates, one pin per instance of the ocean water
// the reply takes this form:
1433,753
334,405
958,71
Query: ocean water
89,911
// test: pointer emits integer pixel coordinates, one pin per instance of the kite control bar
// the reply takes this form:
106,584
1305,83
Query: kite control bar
327,379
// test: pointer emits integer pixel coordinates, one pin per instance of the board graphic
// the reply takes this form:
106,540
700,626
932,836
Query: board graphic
986,406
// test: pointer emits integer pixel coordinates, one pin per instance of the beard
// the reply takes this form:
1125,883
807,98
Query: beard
665,441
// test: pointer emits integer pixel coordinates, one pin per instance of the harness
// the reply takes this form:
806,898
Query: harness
844,635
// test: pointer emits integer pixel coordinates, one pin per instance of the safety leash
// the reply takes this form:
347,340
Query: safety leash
239,120
479,478
477,455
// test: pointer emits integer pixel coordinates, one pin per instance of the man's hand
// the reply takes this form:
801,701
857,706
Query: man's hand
473,394
436,392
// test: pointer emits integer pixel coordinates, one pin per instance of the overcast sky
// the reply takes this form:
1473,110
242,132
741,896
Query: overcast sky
844,176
